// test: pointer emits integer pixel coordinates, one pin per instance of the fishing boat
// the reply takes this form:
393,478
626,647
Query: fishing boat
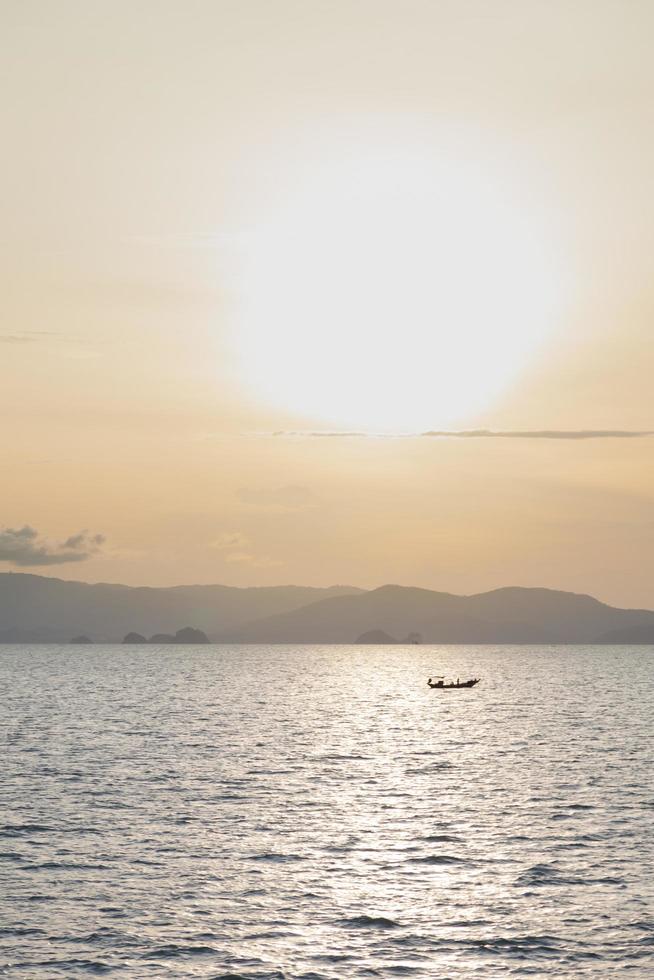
440,685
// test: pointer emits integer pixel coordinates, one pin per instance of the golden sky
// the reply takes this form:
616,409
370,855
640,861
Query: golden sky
225,219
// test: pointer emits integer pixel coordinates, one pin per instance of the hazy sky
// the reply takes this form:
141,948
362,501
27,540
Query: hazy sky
224,220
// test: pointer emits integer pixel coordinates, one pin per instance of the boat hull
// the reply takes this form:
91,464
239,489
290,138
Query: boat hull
463,685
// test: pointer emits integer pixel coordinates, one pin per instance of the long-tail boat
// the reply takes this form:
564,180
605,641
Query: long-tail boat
440,685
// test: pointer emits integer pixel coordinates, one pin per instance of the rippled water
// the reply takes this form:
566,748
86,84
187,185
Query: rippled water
318,812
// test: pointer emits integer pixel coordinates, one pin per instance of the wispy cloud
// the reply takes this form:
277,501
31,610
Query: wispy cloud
229,540
540,434
254,561
564,434
236,550
25,336
24,546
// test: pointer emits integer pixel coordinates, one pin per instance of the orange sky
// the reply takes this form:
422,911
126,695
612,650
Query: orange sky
227,219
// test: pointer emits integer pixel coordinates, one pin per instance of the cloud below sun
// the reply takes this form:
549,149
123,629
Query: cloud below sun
565,434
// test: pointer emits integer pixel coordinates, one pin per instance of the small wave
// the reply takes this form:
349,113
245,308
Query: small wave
439,859
173,951
644,925
65,866
429,768
572,813
102,936
333,957
275,975
258,975
270,772
521,945
279,858
466,923
369,922
20,829
442,839
546,874
84,966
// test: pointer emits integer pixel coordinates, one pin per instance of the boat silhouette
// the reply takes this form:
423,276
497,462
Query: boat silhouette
440,685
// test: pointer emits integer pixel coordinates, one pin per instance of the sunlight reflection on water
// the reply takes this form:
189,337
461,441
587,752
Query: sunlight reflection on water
318,812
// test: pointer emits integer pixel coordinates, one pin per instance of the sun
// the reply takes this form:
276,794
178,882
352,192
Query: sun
395,290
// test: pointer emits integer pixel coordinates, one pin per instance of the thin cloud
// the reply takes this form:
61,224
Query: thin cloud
24,336
565,434
254,561
540,434
236,550
24,547
229,540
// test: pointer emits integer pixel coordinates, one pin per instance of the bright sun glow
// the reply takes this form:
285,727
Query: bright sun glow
395,291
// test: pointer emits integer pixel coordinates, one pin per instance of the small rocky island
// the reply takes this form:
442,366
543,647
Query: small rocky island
81,639
187,635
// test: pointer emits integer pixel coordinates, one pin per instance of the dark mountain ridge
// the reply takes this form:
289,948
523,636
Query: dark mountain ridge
37,608
508,615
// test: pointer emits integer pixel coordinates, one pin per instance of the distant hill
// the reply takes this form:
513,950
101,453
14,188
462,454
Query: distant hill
511,615
187,636
36,608
629,634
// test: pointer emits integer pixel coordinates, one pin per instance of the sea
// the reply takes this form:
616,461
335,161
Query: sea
318,813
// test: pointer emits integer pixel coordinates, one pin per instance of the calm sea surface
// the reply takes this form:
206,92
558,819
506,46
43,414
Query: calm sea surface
318,812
